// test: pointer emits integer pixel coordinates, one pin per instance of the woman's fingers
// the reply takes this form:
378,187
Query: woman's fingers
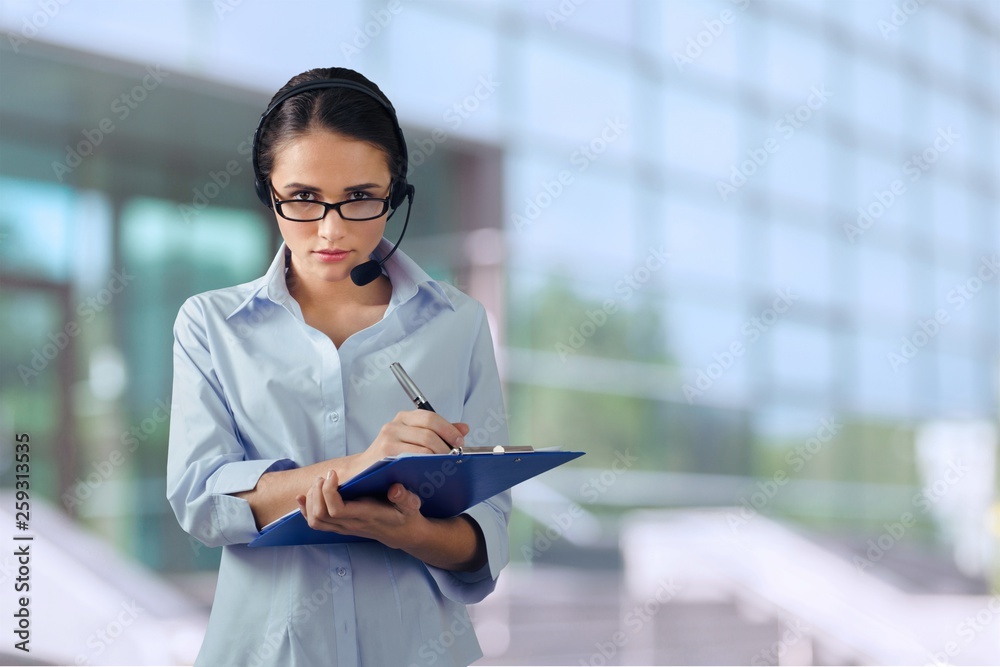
322,503
325,509
432,421
426,429
404,501
332,501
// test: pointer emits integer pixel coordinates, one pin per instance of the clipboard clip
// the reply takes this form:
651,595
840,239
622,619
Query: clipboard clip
497,449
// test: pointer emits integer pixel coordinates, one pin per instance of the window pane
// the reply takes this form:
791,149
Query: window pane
174,260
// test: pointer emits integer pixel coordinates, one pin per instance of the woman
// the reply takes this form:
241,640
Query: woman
282,391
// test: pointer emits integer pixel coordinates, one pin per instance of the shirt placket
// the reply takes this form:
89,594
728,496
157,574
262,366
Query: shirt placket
335,445
344,613
334,430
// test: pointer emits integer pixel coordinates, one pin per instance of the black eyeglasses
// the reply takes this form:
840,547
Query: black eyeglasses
305,210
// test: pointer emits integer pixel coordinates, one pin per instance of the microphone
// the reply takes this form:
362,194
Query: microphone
362,274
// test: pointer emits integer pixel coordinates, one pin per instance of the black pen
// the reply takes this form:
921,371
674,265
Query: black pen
414,393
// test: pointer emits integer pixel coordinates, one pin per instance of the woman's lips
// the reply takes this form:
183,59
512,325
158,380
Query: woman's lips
331,256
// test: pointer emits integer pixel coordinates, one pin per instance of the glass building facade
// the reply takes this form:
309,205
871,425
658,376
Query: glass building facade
728,239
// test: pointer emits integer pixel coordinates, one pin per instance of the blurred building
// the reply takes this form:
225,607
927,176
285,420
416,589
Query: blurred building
742,252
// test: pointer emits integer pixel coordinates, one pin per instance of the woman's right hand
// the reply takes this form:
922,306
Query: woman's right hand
415,432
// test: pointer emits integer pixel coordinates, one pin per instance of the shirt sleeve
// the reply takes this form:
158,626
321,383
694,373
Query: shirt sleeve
206,462
487,418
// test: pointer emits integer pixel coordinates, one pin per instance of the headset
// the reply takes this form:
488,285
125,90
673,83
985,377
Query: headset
399,189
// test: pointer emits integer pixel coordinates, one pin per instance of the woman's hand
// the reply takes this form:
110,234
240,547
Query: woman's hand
414,432
389,521
395,521
451,544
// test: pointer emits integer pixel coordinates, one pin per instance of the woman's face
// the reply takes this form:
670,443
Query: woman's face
326,166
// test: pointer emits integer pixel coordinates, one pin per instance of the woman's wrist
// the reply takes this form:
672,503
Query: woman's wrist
412,535
355,464
450,544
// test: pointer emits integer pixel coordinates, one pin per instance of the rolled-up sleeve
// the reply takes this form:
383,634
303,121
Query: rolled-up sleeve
487,418
206,461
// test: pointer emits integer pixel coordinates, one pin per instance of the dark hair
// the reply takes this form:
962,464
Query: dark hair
342,110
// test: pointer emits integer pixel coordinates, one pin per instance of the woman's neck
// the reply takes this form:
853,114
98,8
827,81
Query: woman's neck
311,291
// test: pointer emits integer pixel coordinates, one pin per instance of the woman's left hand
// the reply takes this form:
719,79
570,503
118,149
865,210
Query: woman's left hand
389,521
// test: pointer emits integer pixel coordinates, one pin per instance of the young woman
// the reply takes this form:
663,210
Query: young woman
282,391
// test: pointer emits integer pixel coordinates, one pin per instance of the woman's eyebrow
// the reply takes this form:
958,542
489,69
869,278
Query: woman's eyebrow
349,188
303,186
363,186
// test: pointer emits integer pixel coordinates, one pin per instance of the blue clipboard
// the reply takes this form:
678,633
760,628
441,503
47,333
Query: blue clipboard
448,484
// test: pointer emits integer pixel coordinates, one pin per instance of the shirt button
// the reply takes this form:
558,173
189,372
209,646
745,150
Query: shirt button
335,417
342,571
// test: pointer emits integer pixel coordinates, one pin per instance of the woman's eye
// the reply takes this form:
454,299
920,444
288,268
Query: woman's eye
359,195
304,196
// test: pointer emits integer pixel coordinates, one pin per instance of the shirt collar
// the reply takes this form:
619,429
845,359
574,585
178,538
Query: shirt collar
272,284
405,275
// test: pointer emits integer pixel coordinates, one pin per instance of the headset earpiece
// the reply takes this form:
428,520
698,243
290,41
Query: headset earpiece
398,192
263,192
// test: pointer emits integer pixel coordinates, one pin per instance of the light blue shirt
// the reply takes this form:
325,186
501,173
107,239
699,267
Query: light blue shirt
256,389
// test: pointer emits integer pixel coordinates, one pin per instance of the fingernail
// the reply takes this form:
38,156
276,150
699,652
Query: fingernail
329,473
459,441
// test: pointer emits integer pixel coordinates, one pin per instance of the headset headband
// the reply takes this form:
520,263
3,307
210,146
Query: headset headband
398,189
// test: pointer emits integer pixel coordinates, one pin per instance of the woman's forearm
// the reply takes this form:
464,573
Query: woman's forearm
275,493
